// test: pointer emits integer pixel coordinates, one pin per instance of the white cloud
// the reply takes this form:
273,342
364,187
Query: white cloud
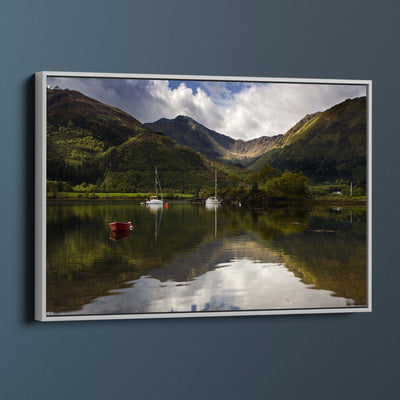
274,108
242,111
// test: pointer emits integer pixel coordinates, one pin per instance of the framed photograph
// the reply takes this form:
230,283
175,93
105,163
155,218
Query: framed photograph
163,196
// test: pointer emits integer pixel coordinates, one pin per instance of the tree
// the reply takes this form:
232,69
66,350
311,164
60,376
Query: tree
290,186
252,178
234,178
267,173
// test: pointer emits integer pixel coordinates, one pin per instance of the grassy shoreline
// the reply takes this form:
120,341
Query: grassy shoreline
111,196
74,196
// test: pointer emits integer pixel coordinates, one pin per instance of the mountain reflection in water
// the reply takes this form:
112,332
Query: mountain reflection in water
236,285
204,260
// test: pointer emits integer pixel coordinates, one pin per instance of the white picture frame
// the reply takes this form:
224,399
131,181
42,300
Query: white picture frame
41,312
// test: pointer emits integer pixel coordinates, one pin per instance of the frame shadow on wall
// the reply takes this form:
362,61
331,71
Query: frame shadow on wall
29,205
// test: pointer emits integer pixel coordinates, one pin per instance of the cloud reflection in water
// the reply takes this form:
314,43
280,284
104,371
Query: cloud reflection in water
240,284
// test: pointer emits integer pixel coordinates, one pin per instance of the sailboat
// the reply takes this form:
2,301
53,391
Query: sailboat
214,200
154,200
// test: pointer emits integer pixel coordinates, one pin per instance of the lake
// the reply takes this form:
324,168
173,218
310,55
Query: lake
192,258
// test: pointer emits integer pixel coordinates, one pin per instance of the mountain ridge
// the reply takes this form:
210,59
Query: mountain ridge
188,132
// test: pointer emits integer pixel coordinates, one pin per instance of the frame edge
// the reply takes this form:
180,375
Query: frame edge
40,200
369,195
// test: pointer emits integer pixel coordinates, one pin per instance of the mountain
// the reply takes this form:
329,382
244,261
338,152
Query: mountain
188,132
325,146
107,124
249,150
89,142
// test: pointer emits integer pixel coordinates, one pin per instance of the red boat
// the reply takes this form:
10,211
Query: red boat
120,226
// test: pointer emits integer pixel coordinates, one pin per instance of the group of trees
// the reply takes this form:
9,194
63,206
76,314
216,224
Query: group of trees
271,183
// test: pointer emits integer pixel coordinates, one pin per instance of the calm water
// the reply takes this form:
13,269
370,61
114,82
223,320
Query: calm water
191,258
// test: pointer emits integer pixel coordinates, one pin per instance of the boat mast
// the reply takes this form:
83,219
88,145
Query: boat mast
215,183
155,177
158,184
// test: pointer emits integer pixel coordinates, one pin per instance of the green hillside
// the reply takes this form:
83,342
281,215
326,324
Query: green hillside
325,146
80,134
130,167
90,143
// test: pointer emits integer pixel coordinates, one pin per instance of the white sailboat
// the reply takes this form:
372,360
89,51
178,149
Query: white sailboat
154,200
214,200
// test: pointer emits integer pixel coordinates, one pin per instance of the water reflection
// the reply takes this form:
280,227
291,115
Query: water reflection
119,235
240,284
214,208
156,209
191,258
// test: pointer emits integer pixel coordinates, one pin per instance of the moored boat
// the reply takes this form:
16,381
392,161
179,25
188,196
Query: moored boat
120,226
154,200
214,200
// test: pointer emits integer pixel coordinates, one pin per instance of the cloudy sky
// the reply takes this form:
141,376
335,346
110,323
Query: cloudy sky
242,110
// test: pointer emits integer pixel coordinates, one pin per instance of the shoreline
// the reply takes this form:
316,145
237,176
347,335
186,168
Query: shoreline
193,199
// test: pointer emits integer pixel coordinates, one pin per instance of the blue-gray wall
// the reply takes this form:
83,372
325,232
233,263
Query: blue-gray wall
352,356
